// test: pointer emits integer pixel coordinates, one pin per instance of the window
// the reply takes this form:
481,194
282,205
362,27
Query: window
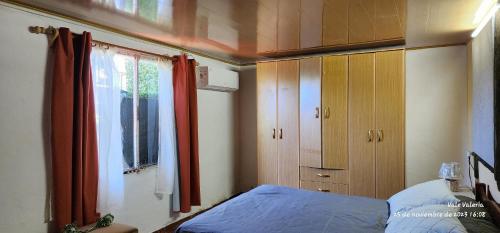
133,94
138,109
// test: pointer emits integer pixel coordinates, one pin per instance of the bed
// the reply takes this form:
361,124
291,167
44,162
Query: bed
277,209
280,209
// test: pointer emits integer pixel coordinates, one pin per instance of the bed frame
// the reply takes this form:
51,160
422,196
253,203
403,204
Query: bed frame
482,190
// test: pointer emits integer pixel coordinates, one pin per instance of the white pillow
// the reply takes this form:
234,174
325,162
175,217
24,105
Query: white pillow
434,192
429,218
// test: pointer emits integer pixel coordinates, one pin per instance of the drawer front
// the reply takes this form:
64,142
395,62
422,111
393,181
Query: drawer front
325,187
324,175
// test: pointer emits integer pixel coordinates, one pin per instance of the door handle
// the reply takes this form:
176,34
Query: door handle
324,190
316,114
380,135
274,133
370,135
281,134
327,112
323,175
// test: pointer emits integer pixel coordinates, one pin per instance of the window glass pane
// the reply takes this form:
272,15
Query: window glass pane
125,67
148,112
148,10
128,6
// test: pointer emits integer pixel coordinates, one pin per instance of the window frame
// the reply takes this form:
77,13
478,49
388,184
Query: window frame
136,56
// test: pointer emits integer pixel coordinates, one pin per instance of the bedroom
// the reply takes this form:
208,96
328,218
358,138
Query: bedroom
324,100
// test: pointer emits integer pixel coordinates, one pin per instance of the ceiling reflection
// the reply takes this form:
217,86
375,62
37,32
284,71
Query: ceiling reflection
240,31
223,29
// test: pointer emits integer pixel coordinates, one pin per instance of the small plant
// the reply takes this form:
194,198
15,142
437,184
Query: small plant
104,221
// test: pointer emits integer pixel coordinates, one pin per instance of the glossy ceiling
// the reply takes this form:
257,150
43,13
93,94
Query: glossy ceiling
227,29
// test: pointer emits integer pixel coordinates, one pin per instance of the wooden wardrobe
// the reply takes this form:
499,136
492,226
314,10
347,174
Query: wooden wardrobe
323,124
333,123
278,123
376,124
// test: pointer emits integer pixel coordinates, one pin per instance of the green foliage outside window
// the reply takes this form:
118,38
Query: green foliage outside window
148,10
148,78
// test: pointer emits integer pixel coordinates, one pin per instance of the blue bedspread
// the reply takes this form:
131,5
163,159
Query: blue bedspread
277,209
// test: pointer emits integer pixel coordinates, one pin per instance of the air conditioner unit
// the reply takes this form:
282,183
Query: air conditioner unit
216,79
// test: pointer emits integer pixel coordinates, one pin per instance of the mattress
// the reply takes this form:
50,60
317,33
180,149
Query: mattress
277,209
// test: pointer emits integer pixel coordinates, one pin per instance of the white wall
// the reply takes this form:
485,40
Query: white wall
24,144
248,131
436,110
481,75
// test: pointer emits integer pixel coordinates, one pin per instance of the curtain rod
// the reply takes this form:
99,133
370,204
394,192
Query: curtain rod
52,33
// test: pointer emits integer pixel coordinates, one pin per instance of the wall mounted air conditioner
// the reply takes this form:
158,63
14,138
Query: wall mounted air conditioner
216,79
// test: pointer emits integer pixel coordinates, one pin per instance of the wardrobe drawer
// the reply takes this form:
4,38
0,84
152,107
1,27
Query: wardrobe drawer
325,187
324,175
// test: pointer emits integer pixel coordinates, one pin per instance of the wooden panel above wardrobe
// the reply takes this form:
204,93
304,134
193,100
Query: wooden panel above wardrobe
311,22
288,25
305,26
335,22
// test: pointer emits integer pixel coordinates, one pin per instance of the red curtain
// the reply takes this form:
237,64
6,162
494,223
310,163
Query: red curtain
186,118
74,138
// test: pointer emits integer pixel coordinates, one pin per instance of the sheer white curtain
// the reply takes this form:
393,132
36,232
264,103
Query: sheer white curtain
107,89
166,177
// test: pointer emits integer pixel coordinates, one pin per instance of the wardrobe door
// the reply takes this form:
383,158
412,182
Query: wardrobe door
288,123
288,25
389,115
390,19
361,21
311,19
335,22
361,123
267,150
310,112
267,24
334,97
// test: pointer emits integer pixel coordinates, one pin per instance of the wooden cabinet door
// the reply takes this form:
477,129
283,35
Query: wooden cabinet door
311,20
361,21
310,112
389,115
288,24
334,104
335,22
267,149
267,24
390,19
288,123
361,121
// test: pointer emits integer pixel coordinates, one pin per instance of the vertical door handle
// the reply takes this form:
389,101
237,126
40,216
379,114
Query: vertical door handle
281,134
370,135
380,135
316,114
327,112
274,133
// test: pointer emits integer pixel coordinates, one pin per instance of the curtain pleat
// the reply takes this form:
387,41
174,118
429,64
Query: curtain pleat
73,128
193,120
167,153
107,93
186,117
